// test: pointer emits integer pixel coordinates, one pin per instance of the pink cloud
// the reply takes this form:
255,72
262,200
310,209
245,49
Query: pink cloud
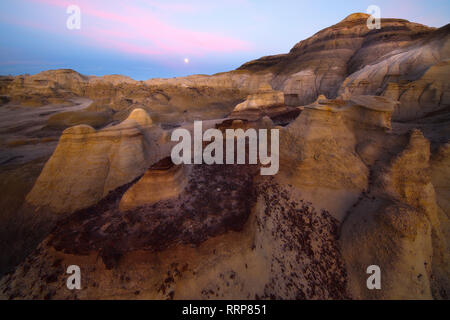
139,30
180,7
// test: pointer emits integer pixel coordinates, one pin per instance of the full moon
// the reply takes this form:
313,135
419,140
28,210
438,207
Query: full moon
186,60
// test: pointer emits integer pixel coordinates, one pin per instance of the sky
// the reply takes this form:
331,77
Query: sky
146,39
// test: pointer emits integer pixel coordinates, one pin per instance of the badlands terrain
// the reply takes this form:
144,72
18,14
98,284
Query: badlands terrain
364,178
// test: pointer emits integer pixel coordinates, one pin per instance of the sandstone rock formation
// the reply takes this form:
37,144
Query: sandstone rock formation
440,170
95,119
87,164
166,102
397,227
192,247
319,153
396,223
265,102
320,64
416,75
162,181
427,95
364,177
346,57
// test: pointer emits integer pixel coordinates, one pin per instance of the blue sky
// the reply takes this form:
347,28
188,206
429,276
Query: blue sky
153,38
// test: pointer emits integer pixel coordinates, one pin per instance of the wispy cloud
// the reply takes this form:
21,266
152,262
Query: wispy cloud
137,29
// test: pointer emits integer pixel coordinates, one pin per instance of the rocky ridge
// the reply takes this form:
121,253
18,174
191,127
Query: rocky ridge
364,163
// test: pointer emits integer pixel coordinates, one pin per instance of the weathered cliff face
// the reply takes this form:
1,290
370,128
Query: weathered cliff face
161,181
364,169
88,164
417,76
327,151
238,246
264,102
398,226
320,64
167,101
402,60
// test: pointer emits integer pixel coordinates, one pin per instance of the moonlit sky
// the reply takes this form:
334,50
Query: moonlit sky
157,38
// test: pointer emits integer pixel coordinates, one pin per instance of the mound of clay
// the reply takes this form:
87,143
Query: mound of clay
162,181
87,164
321,63
397,227
427,95
265,102
417,76
347,56
190,247
323,138
354,188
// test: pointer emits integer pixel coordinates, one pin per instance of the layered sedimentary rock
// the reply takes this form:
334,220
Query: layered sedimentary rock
345,58
166,102
440,171
342,156
237,79
235,247
354,189
265,102
427,95
162,181
319,64
416,75
318,152
87,164
397,227
95,119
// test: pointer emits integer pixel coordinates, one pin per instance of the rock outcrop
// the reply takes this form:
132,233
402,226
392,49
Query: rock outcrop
235,247
397,227
364,177
319,154
440,171
321,63
342,156
427,95
346,58
265,102
416,75
87,164
162,181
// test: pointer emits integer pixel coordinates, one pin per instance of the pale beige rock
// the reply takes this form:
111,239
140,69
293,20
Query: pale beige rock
318,157
351,185
372,111
265,101
162,181
416,75
397,227
320,64
440,173
261,100
87,164
418,98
